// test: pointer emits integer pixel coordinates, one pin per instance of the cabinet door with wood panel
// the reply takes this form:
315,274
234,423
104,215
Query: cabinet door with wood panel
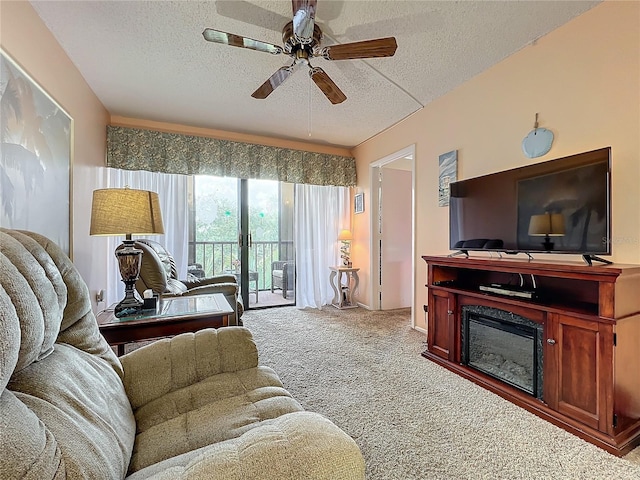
441,324
578,372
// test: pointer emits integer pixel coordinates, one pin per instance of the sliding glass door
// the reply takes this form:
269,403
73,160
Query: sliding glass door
245,227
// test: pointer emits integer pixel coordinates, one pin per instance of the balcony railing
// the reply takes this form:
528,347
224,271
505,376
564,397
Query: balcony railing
219,257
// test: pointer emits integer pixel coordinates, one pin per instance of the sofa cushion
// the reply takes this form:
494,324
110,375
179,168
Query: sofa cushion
77,419
294,446
63,407
161,280
35,289
216,409
171,364
168,263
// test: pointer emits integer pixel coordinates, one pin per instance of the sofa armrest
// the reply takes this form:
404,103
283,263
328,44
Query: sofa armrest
301,445
228,289
173,363
216,279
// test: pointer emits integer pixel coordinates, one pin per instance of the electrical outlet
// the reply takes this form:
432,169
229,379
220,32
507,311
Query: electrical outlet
100,296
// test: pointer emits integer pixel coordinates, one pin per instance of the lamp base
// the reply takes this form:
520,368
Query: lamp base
547,244
129,260
129,305
345,253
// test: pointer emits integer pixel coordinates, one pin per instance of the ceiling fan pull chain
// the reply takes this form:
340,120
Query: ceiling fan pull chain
309,97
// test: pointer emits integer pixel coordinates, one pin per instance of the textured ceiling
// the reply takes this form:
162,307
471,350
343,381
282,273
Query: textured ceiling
148,60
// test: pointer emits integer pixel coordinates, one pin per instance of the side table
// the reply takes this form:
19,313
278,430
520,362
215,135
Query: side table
253,277
343,291
173,316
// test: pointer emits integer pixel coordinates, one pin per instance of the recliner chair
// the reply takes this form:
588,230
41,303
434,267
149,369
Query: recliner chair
158,272
197,406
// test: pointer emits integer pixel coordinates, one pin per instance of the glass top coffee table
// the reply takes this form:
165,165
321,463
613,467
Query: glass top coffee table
173,316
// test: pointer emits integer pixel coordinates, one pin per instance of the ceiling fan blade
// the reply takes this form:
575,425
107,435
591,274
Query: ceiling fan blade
273,82
324,83
381,47
304,14
225,38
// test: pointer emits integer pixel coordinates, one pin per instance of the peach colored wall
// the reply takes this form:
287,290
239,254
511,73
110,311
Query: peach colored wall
26,39
584,81
224,135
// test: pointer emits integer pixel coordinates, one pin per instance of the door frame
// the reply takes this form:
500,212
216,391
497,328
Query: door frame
374,240
246,243
244,239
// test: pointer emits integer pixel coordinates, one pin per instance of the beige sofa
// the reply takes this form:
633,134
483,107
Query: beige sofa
197,406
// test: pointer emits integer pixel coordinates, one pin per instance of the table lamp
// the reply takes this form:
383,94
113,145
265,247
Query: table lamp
547,225
345,250
126,211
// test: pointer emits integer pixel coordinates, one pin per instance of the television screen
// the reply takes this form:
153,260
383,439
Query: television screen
560,206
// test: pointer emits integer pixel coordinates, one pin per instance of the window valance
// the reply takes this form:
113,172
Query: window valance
139,149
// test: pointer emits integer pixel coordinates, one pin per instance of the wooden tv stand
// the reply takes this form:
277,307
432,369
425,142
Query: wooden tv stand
591,340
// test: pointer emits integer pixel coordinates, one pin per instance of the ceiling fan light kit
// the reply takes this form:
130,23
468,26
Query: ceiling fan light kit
301,40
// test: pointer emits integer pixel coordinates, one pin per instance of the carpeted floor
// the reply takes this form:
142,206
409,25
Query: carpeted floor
412,418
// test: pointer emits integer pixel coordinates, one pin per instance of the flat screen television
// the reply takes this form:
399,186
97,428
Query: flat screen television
557,206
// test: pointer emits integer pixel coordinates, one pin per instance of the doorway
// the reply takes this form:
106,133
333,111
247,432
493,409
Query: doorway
244,228
393,231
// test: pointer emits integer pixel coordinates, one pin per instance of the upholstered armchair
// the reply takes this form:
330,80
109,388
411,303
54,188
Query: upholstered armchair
197,406
158,273
283,276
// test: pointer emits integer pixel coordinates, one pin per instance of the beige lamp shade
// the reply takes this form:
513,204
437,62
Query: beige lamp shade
125,211
547,224
345,235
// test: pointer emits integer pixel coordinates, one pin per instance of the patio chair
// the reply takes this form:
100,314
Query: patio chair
283,276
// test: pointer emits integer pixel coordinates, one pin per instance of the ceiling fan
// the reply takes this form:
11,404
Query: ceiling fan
301,40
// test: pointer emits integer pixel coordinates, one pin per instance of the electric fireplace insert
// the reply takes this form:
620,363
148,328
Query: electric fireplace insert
503,345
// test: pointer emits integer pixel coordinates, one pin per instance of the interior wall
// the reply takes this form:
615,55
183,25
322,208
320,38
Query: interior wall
396,237
584,81
27,40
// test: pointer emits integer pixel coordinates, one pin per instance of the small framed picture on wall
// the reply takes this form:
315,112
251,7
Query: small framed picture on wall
448,173
358,203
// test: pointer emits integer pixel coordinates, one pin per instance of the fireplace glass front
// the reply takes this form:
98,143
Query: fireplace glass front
503,345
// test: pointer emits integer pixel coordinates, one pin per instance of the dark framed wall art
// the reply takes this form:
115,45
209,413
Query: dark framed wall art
35,158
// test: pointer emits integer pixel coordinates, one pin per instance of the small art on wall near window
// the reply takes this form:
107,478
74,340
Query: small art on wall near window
35,164
448,173
358,203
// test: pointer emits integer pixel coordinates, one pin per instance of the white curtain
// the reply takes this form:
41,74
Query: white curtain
320,213
172,191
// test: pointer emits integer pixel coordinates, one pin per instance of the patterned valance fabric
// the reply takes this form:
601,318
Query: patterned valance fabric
138,149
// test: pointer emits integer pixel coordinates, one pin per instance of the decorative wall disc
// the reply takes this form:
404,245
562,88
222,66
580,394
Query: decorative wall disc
537,143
